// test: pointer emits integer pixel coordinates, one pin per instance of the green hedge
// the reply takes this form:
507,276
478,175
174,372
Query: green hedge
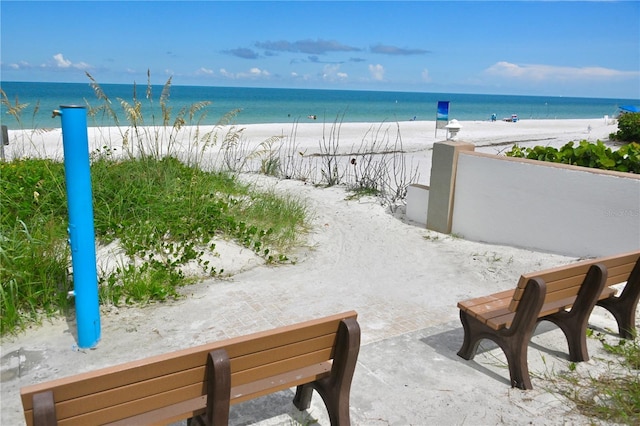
586,154
628,128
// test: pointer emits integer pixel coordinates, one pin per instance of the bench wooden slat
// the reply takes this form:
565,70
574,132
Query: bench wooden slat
276,383
491,315
501,321
619,274
247,362
555,281
245,365
502,318
144,369
275,368
165,415
238,394
471,303
628,259
618,268
152,384
561,294
488,309
607,293
489,305
145,410
565,284
157,386
135,407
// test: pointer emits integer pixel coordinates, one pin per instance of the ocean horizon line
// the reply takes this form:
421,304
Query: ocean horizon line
251,105
172,85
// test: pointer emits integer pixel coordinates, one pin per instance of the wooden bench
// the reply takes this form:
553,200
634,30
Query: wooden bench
201,383
565,296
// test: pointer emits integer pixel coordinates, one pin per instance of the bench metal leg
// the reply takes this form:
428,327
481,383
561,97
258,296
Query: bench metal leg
336,388
44,409
623,307
197,421
574,323
514,340
218,388
302,400
513,345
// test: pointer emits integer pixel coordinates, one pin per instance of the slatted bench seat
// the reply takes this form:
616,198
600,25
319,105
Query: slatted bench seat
565,296
201,383
623,306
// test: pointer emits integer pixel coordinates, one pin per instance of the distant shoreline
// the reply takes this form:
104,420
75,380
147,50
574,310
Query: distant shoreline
416,137
266,106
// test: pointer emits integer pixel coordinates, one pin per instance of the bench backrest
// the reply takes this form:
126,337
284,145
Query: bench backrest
175,384
565,281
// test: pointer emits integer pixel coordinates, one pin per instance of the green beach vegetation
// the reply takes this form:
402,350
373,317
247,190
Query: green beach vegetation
611,396
587,154
164,214
595,155
628,128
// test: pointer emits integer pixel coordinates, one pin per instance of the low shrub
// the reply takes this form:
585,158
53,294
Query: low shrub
586,154
611,396
628,128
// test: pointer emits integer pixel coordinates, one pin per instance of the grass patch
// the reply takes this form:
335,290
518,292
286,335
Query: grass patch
163,214
612,396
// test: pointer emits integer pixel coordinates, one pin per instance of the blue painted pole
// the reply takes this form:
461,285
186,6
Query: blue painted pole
81,230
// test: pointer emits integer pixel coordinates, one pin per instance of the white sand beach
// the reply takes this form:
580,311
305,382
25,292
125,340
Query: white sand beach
417,137
403,280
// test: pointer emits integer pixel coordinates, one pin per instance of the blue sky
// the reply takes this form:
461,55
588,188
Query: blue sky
585,49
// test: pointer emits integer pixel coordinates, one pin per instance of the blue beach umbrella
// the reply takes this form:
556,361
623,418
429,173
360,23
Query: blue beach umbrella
629,108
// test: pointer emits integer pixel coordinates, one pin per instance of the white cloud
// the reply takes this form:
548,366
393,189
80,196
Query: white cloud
549,72
204,71
377,72
303,77
257,72
61,62
253,73
331,72
15,66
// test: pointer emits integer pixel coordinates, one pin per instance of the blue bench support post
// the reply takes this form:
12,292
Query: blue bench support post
81,230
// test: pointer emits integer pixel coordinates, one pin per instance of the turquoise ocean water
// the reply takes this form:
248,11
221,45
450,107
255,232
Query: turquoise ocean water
291,105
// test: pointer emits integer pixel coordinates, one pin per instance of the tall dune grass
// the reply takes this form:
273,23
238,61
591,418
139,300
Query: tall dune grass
162,212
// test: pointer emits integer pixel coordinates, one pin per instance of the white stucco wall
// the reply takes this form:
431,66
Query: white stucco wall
417,203
546,207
